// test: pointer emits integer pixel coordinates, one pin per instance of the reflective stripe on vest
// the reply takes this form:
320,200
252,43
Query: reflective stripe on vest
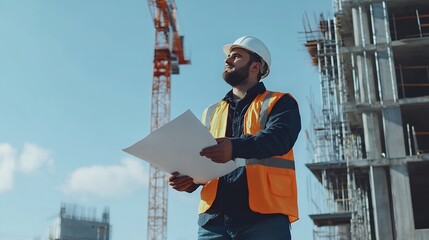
268,162
209,113
264,110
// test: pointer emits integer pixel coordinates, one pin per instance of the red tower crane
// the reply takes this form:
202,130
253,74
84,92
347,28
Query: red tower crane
168,56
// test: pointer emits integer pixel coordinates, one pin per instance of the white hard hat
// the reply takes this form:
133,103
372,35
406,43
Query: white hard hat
253,45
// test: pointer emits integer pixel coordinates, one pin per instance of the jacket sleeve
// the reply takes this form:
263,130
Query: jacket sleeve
278,136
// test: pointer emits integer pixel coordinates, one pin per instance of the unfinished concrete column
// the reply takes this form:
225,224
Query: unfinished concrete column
365,72
380,202
367,81
393,130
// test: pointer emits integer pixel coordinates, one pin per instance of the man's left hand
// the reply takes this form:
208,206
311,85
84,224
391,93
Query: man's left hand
220,153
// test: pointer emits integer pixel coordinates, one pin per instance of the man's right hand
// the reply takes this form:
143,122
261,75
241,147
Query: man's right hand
221,152
182,183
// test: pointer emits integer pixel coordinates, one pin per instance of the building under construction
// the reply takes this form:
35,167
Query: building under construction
79,223
371,137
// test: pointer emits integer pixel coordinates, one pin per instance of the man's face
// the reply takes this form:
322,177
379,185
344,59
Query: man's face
237,67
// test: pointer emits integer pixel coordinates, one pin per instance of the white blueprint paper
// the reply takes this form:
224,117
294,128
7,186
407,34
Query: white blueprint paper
176,146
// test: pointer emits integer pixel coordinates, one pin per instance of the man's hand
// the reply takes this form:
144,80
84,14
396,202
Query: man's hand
220,153
182,183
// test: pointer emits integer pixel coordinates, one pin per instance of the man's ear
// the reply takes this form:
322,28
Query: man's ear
255,67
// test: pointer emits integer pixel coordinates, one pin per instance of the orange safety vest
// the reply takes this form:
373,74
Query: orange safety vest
271,181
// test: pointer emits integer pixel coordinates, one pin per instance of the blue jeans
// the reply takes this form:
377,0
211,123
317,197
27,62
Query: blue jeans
277,228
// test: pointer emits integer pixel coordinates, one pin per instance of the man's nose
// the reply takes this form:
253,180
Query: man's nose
229,60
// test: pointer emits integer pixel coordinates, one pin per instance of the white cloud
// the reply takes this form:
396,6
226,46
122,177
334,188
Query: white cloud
33,158
107,181
30,160
7,166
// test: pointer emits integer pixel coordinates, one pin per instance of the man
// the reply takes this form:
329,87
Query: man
257,129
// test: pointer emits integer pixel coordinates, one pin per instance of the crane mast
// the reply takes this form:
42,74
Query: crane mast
168,56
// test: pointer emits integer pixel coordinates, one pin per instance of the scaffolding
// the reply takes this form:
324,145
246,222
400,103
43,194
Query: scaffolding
374,85
344,195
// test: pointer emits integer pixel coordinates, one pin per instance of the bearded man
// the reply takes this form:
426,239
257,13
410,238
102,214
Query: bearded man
257,129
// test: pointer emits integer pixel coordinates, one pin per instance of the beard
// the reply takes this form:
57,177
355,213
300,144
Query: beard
237,76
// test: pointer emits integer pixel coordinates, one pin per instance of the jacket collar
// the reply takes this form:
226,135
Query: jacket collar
259,88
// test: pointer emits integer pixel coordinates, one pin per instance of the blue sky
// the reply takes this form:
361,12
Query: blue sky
75,89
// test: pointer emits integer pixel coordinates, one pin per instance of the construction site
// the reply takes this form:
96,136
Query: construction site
370,138
369,143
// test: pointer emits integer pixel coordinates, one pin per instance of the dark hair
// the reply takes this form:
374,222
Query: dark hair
256,58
